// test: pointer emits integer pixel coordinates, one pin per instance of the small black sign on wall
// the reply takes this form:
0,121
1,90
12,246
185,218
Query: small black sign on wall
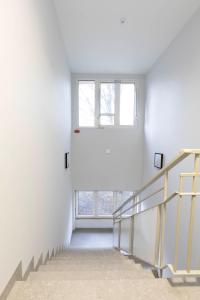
158,160
67,160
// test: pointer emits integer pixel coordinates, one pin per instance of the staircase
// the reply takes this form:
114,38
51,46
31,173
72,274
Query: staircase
78,274
140,229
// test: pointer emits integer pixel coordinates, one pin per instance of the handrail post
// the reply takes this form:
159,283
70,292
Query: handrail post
131,237
157,243
192,213
120,229
163,222
178,223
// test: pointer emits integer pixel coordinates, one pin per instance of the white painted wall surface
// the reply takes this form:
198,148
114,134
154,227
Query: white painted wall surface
35,189
173,98
125,235
144,243
93,169
94,223
172,110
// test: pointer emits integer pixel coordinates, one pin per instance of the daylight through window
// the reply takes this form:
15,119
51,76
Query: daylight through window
113,105
99,203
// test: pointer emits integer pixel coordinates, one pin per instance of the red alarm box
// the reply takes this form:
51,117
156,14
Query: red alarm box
77,130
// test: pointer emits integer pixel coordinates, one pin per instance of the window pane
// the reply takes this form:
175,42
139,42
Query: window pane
107,120
107,103
105,203
121,198
126,195
85,203
87,103
127,103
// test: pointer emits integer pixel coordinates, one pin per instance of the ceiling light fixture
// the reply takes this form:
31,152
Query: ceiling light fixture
123,20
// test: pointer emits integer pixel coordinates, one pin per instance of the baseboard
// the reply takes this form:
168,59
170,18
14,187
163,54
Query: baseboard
17,276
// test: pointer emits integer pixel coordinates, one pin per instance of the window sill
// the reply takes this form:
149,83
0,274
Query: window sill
94,218
110,127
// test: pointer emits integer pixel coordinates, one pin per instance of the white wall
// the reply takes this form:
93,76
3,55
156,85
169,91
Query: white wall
35,189
173,98
94,223
93,169
172,108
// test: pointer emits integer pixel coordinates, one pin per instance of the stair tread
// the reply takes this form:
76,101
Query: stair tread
99,289
89,275
90,257
90,262
78,267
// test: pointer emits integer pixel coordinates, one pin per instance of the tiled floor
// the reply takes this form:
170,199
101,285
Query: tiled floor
92,238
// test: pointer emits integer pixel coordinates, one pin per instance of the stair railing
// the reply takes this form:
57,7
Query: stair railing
137,210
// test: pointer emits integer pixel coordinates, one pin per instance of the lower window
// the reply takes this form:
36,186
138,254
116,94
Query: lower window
97,204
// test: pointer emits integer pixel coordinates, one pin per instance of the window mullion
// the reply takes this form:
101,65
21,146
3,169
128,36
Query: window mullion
95,203
76,203
97,103
114,201
136,106
117,103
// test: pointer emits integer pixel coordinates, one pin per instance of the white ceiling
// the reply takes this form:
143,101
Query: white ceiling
96,42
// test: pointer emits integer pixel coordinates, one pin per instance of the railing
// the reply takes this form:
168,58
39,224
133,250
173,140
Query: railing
140,223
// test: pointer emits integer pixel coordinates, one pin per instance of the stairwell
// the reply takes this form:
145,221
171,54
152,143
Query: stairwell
80,274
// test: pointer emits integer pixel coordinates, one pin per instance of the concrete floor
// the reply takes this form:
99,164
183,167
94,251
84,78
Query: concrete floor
92,238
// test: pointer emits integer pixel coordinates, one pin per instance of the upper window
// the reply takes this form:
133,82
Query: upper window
86,103
106,104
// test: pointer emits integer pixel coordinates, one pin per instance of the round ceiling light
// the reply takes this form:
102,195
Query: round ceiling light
123,20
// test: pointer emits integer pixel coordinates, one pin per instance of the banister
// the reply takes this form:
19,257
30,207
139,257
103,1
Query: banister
124,203
160,219
161,211
148,208
167,168
180,157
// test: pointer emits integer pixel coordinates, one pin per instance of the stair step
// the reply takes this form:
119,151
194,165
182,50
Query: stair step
138,289
89,262
77,254
89,267
79,257
89,275
89,252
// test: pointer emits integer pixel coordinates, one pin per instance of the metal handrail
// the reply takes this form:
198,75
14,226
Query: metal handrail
180,157
140,202
134,201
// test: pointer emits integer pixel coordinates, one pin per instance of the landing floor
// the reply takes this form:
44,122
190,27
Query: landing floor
92,238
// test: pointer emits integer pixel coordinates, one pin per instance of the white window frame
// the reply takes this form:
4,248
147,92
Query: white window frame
97,103
95,215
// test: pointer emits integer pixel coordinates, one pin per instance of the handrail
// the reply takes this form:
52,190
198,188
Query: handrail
138,203
157,204
124,203
135,201
180,157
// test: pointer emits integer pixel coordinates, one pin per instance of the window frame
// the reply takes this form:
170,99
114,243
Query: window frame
98,102
95,215
95,97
